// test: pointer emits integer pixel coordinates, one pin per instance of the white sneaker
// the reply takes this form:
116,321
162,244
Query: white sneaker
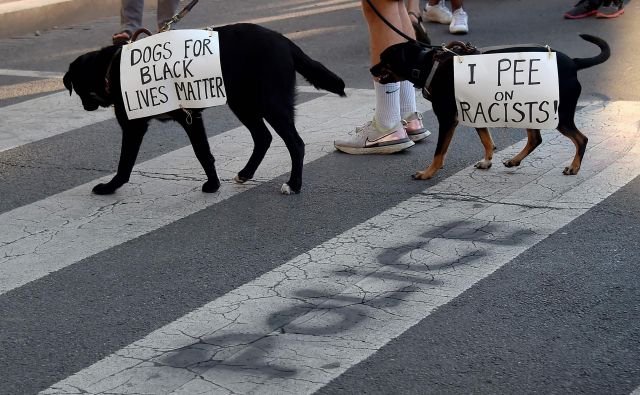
371,139
438,13
459,22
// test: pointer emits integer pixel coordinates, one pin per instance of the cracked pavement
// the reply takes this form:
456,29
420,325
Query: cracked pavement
295,328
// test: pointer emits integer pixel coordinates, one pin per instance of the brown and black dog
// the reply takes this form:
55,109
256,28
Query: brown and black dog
259,70
409,61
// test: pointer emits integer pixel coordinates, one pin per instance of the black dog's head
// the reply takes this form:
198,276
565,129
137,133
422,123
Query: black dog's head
405,61
87,75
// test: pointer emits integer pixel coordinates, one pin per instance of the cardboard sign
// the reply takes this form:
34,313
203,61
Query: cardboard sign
517,90
170,70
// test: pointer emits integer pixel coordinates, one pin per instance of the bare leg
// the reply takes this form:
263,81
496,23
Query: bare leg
380,35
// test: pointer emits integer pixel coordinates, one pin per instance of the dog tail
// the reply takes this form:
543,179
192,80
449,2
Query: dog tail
316,73
605,52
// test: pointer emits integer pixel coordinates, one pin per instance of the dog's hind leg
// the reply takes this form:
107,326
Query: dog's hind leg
261,142
489,147
445,134
282,121
194,126
132,134
570,130
534,139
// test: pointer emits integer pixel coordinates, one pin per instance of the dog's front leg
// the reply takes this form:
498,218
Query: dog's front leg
445,134
132,134
489,147
194,126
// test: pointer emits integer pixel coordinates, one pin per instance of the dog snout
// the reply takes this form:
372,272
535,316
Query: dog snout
90,105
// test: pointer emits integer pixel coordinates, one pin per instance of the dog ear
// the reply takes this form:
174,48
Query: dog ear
67,82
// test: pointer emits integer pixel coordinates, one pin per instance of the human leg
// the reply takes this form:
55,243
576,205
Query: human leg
130,20
131,14
380,38
385,133
410,118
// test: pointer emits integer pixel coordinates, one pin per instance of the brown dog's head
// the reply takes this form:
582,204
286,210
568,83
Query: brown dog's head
86,76
405,61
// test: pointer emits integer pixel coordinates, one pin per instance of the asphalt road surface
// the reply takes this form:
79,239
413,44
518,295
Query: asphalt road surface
508,280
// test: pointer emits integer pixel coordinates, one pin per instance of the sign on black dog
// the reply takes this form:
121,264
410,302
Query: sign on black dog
170,70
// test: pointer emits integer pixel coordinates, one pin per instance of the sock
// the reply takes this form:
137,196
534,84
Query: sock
407,99
387,114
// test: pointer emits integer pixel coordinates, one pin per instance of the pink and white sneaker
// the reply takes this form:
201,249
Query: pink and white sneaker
414,127
372,139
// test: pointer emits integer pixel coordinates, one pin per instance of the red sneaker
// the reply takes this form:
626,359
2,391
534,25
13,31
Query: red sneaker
583,9
613,9
121,38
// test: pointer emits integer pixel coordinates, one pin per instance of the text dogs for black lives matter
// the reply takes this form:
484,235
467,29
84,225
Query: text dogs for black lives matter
507,90
171,70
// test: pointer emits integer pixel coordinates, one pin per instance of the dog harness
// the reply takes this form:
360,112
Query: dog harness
458,48
454,48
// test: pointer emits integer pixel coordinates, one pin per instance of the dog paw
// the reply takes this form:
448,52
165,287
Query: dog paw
421,175
211,186
103,189
483,164
287,190
569,171
510,163
240,180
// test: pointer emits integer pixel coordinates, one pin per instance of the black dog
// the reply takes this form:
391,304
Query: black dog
259,71
408,61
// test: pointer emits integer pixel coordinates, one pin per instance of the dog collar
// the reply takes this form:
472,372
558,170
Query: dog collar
107,83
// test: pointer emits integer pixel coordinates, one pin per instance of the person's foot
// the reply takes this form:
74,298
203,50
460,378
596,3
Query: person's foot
459,22
121,38
583,9
371,139
611,9
414,127
438,13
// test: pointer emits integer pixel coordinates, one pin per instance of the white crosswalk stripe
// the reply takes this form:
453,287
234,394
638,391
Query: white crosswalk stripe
297,327
57,114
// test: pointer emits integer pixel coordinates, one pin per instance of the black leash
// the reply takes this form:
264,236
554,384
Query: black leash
178,16
395,29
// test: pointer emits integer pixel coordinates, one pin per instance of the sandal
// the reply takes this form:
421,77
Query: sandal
121,38
421,33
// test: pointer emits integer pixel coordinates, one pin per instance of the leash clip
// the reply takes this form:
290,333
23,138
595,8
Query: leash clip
444,48
189,118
